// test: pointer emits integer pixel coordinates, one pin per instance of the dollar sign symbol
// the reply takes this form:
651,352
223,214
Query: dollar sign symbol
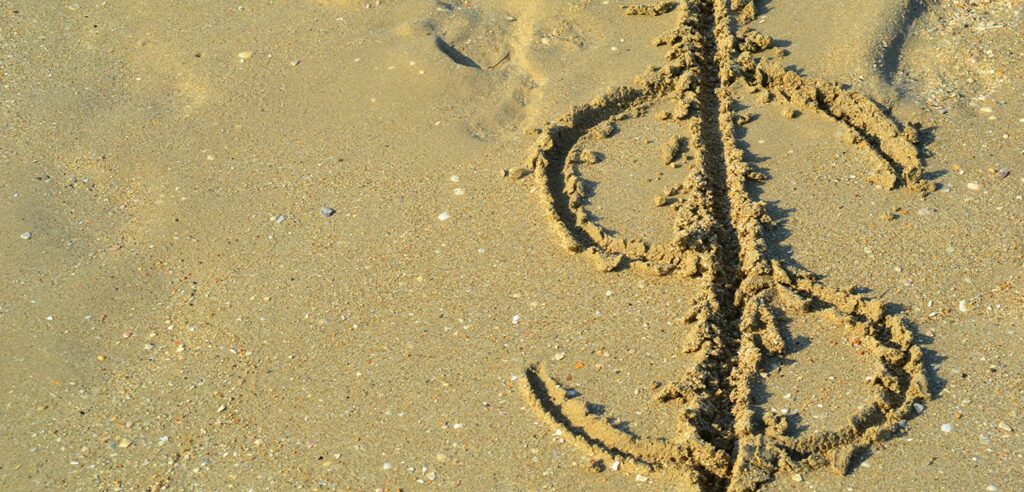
724,441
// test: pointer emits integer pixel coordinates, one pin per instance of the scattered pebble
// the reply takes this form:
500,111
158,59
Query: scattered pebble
444,216
947,428
244,55
459,191
963,306
1003,173
1005,427
616,465
641,478
973,186
516,319
278,219
327,211
918,407
517,172
798,478
387,466
559,356
26,235
124,443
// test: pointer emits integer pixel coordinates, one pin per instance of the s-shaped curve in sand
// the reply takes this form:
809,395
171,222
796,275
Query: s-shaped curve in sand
723,441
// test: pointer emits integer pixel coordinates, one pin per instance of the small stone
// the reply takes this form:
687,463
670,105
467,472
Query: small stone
387,466
327,211
101,358
26,235
559,356
973,186
1003,426
516,319
444,216
963,306
991,488
1003,173
124,443
616,465
295,62
641,478
221,408
244,55
918,407
590,157
279,219
459,191
517,173
947,428
798,478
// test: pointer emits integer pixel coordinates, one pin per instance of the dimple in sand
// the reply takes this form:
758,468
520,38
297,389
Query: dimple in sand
723,440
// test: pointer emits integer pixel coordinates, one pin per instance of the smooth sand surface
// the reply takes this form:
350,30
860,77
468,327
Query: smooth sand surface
178,312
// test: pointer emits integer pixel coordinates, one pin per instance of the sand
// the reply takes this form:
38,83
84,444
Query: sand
794,263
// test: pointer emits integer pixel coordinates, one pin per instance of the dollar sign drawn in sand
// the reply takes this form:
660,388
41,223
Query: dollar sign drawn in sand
723,441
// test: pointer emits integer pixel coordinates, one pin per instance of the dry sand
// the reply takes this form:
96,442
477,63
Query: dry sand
177,310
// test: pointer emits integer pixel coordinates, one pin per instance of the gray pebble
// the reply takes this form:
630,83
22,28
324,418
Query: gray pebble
327,211
26,235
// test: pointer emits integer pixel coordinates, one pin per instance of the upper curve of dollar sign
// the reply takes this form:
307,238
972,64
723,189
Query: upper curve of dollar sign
723,442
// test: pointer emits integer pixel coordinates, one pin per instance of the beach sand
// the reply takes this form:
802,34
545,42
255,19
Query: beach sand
331,244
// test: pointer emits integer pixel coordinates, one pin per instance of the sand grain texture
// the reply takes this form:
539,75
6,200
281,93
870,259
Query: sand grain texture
183,316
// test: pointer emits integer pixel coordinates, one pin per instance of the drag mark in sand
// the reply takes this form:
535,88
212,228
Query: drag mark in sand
723,440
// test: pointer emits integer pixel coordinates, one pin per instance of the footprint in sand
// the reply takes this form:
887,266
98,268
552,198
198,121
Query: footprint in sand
724,440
